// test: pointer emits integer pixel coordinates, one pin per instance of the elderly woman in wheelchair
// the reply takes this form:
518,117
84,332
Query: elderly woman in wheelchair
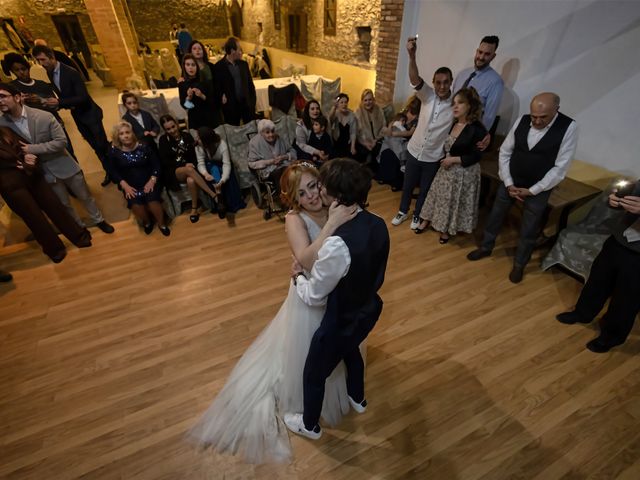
269,156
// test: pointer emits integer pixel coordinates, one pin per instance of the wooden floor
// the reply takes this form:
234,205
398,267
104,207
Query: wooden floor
109,357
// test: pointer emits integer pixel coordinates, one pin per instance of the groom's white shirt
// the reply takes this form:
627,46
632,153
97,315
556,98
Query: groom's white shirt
332,264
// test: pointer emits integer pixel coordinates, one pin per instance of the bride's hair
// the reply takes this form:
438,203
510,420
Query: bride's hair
290,183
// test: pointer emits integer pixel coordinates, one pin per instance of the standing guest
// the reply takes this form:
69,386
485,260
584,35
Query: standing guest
484,79
48,142
452,202
73,94
269,155
214,164
344,127
184,39
320,140
178,156
195,95
236,91
393,152
371,123
207,69
135,167
534,158
64,58
35,93
615,275
426,144
144,126
24,188
304,130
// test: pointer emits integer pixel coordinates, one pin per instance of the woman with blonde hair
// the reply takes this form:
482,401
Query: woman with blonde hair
135,167
452,202
371,123
246,416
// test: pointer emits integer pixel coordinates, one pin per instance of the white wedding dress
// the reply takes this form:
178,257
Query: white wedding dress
246,416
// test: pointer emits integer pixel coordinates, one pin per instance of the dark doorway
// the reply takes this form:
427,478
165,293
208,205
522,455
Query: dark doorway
72,37
235,15
297,32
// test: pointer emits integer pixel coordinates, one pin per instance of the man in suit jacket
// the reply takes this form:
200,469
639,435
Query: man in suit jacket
73,94
346,276
48,142
534,158
234,85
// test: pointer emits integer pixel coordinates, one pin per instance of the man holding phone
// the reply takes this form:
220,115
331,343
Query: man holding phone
534,158
615,274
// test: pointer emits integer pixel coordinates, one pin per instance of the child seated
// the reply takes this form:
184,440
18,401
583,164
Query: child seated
144,126
320,139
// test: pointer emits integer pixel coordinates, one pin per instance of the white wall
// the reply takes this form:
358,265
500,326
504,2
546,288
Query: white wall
586,51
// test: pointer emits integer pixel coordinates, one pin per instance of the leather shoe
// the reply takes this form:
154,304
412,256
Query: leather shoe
5,276
599,345
516,274
569,318
106,181
105,227
58,257
164,230
148,228
477,254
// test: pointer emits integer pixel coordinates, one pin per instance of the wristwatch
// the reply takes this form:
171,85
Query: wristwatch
295,279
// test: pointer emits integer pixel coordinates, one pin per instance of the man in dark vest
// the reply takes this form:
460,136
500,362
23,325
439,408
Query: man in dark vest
346,276
534,158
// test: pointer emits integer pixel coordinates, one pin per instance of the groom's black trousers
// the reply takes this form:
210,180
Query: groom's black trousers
329,346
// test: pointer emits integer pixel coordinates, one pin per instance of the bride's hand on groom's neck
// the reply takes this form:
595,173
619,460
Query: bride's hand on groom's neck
341,214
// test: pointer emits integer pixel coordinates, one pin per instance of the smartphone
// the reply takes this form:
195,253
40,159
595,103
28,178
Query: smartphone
623,188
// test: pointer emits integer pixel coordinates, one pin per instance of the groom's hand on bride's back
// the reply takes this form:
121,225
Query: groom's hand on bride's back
341,214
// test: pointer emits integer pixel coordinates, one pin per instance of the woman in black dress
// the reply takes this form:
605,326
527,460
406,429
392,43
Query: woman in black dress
179,162
195,95
207,77
344,127
136,168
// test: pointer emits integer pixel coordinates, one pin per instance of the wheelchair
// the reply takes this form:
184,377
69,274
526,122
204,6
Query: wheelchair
263,192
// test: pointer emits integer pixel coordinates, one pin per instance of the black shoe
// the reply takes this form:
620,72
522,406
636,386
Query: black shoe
5,276
478,254
148,228
569,318
599,345
105,227
164,230
106,181
516,274
222,212
58,257
231,219
194,217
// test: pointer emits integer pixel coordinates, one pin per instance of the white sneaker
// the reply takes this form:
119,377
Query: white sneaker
358,407
295,423
415,223
399,218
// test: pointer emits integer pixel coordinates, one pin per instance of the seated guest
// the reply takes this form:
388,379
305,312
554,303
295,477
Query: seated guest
48,142
344,127
269,155
135,167
452,202
34,92
207,69
214,164
195,96
393,151
320,140
145,128
614,276
304,131
371,122
178,156
27,193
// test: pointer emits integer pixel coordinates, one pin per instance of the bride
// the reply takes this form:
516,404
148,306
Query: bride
246,416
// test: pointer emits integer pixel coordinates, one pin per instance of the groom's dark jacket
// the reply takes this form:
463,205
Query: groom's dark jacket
355,301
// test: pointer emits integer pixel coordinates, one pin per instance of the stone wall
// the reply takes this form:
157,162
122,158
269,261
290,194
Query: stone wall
153,18
37,16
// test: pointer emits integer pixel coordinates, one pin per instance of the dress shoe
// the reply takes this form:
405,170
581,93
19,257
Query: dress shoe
85,240
516,274
105,227
106,181
148,228
58,257
164,230
5,276
222,212
358,407
295,423
569,318
599,345
478,254
194,217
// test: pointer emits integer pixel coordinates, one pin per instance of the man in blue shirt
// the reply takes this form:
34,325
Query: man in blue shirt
484,79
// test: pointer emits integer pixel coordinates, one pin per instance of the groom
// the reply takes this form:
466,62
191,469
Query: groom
346,276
